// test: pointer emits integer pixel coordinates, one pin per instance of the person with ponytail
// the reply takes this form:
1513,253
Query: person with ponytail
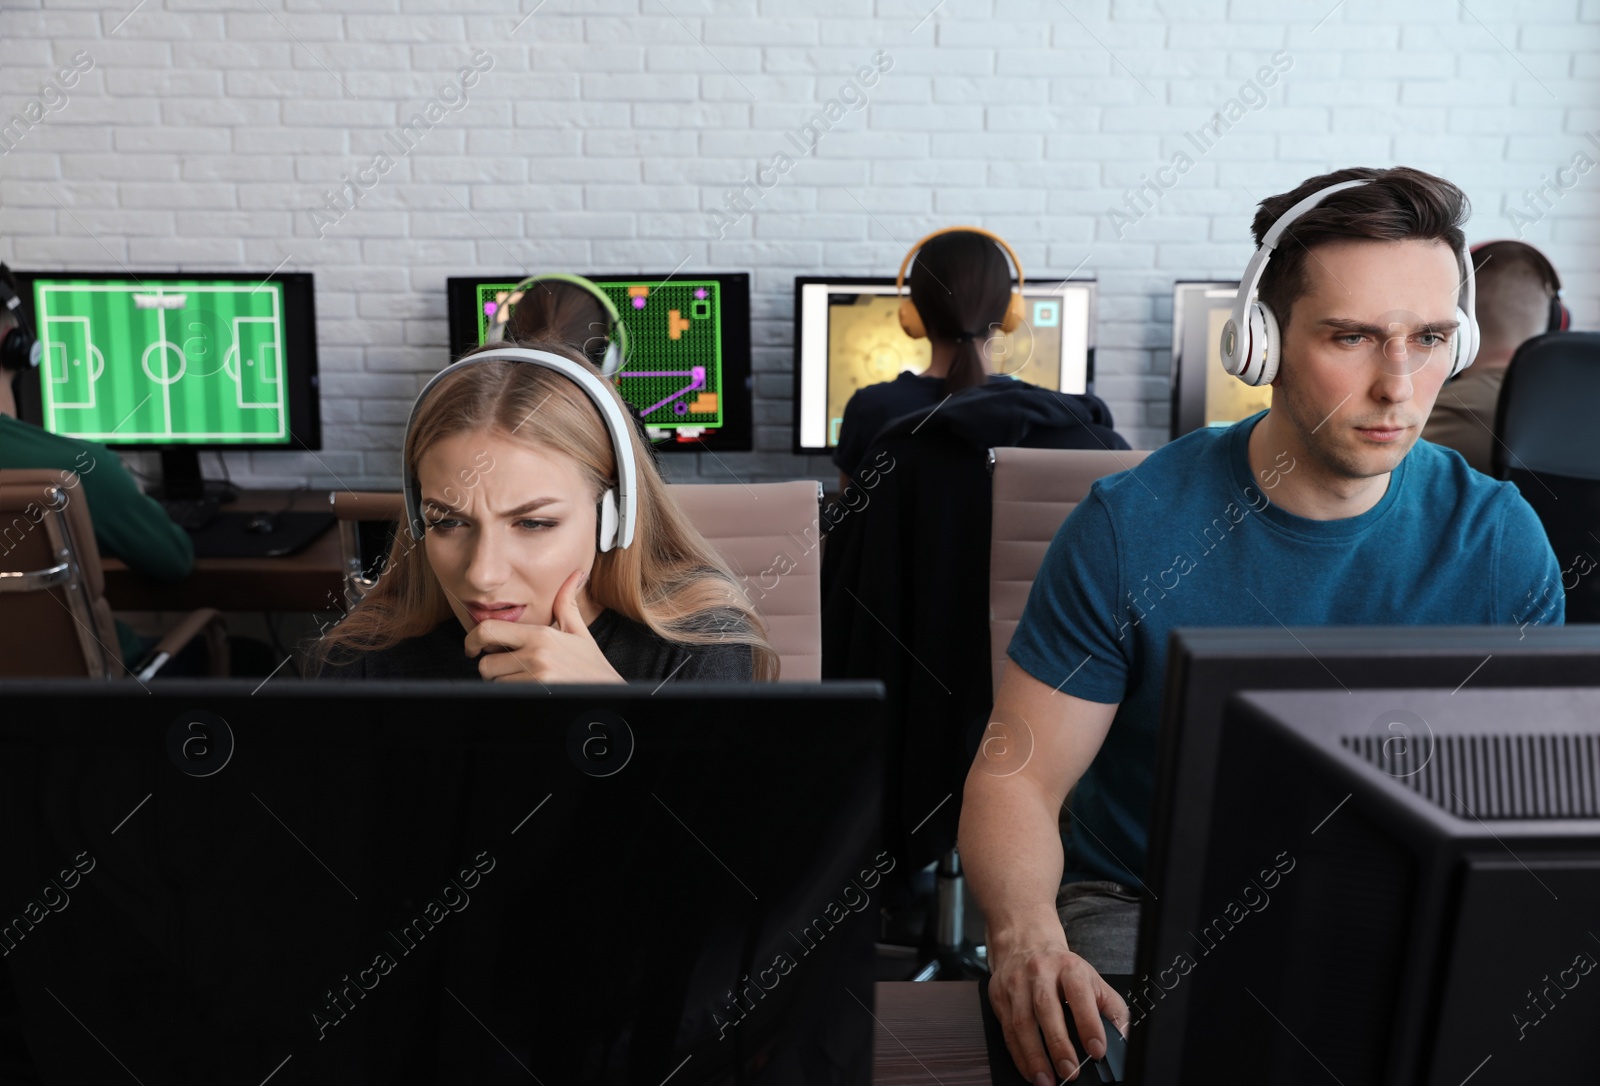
961,285
507,582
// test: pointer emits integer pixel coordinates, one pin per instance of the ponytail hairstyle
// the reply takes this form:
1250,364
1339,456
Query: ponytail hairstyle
961,285
554,309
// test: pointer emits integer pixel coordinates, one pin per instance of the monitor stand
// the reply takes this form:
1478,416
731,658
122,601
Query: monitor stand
181,479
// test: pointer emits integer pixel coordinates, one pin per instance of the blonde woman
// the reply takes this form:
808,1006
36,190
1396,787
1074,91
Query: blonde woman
515,566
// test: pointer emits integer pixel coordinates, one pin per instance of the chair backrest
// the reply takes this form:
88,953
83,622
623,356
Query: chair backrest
353,508
1547,444
54,619
1034,490
768,533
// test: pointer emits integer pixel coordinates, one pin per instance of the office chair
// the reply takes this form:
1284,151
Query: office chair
768,533
1546,443
1034,491
54,617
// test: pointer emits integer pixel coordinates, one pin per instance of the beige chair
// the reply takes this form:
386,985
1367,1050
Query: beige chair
54,618
1034,490
768,533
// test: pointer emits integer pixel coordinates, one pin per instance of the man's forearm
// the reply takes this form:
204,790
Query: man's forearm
1011,854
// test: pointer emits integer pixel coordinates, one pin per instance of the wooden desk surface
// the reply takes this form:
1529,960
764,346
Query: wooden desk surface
929,1033
309,580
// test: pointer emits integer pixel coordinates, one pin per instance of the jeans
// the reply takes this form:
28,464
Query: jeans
1101,921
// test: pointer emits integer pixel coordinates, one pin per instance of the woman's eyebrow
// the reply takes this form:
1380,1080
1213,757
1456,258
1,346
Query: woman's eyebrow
528,507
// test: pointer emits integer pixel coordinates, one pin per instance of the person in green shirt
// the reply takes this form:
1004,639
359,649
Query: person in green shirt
127,523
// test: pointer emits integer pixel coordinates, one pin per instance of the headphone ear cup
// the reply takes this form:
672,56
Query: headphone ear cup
1262,346
607,521
612,362
1014,312
1466,343
911,320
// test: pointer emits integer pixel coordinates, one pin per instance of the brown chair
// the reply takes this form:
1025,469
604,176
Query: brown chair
54,617
768,533
1034,490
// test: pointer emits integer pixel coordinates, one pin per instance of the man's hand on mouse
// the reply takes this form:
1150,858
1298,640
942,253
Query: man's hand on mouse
1034,981
563,652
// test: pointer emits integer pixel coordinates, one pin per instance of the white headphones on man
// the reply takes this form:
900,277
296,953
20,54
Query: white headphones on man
619,507
1251,343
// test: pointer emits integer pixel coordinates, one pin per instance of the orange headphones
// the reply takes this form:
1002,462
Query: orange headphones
911,320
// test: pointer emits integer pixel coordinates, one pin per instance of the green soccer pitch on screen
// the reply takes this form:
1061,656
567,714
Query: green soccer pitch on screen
180,362
674,372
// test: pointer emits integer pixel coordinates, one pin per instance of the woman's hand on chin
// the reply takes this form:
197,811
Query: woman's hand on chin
563,652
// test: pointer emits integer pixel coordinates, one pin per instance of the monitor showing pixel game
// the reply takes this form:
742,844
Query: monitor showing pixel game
687,373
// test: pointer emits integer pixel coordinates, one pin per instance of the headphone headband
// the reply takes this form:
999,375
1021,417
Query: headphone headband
616,334
900,280
1250,343
623,501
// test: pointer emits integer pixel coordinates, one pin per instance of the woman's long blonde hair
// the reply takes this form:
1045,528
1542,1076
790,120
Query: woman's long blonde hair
670,579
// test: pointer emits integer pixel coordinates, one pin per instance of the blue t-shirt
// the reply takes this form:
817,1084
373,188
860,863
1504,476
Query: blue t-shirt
1189,538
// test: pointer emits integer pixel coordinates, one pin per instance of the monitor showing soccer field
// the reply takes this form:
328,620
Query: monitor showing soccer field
848,336
687,373
163,359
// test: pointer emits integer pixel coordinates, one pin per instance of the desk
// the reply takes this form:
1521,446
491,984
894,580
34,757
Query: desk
927,1033
933,1033
308,580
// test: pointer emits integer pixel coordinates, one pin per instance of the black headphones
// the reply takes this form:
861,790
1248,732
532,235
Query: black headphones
1559,319
19,348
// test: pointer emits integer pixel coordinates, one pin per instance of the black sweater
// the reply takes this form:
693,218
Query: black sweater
637,654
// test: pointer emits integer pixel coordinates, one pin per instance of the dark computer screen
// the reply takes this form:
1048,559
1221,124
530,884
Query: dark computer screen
161,359
1207,668
441,882
848,336
688,368
1400,888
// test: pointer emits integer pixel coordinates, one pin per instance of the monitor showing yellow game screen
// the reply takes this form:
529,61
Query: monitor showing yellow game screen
848,336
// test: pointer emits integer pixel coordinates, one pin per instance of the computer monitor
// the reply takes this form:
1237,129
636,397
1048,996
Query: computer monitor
688,368
847,335
176,361
1206,668
1203,393
442,882
1401,889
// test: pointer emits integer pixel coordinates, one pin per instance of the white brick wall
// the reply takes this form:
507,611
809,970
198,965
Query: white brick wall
608,130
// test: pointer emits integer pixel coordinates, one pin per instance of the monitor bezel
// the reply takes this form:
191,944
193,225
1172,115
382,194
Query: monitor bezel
300,370
738,429
1261,658
803,281
1189,397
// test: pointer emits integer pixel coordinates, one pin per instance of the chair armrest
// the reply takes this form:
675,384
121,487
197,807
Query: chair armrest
206,620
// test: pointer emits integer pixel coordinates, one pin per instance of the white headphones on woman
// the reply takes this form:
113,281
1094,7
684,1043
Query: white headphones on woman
1251,344
619,507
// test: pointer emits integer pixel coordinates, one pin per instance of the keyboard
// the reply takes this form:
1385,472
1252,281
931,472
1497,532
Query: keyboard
191,514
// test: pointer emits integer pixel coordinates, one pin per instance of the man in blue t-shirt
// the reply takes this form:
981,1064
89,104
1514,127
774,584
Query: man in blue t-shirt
1326,509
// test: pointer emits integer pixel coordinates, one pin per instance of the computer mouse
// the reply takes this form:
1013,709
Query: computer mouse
261,524
1114,1066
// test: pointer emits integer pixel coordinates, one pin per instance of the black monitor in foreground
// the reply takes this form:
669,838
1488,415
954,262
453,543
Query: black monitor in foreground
442,882
687,373
1205,670
1388,910
176,362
